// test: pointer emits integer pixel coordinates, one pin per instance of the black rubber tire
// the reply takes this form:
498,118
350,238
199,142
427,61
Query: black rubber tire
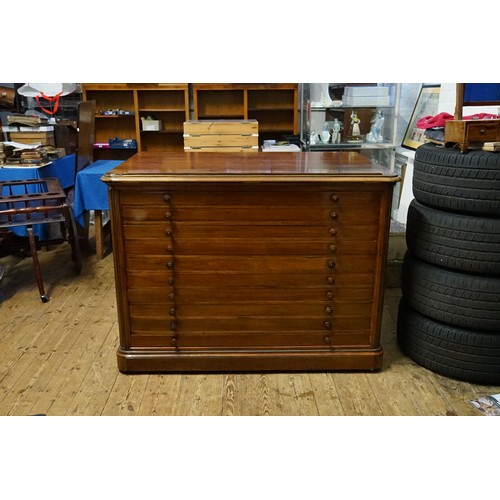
453,352
466,183
450,297
457,242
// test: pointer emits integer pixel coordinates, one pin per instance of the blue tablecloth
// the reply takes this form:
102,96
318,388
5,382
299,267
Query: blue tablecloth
90,192
62,168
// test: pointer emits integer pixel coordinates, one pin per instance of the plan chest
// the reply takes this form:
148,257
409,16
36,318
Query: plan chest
251,262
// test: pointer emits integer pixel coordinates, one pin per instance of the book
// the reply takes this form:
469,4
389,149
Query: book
491,146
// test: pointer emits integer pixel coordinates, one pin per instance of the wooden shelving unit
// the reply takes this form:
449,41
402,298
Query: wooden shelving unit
167,102
274,106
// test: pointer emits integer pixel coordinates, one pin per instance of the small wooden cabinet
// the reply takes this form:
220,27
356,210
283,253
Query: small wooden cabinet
274,106
468,133
168,103
255,262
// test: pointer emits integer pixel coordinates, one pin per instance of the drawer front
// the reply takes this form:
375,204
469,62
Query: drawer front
248,264
254,246
292,196
244,231
222,340
238,215
482,132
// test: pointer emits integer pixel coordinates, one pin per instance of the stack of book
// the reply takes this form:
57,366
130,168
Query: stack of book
491,146
6,152
28,157
26,120
34,157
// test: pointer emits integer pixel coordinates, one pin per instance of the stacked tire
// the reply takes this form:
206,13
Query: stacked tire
449,315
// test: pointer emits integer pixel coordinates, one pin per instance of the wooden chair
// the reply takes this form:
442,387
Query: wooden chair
84,151
39,201
86,135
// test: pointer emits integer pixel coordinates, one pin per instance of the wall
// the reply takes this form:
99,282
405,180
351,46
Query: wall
447,96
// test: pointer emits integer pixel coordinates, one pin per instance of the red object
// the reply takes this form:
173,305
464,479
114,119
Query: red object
434,121
479,116
50,99
440,119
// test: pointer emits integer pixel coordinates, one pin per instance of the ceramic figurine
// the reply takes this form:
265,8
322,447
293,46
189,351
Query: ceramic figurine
325,134
376,131
355,122
336,131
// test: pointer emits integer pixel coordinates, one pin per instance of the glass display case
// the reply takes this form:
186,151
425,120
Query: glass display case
350,117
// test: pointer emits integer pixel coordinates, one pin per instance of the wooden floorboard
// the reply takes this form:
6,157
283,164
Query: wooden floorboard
59,358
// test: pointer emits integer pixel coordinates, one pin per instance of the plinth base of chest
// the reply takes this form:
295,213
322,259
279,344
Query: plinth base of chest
248,361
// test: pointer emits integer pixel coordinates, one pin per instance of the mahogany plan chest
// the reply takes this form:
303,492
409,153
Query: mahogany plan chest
249,262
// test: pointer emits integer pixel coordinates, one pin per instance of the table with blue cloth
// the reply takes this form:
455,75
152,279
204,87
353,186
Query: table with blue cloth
62,168
92,194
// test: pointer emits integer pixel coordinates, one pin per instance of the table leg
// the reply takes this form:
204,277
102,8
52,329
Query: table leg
36,265
99,234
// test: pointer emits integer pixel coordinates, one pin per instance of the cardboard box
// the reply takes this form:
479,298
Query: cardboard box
366,100
371,91
33,137
150,125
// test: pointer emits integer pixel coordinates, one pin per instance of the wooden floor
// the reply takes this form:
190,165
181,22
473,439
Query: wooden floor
59,358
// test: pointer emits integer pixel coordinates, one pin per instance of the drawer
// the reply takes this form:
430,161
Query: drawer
165,325
351,286
324,310
224,309
250,214
247,264
185,230
254,246
288,196
482,132
268,341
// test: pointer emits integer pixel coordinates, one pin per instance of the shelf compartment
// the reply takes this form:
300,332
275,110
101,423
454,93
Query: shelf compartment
111,99
271,100
171,121
224,104
274,120
161,141
157,100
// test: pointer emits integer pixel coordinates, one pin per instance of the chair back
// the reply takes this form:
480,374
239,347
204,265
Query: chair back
86,135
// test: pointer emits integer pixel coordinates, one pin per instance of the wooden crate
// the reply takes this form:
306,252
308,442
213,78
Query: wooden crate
46,138
221,135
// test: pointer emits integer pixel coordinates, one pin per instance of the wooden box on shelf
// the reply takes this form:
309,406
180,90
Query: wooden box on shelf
221,135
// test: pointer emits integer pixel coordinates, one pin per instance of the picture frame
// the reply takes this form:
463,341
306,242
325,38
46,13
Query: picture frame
427,105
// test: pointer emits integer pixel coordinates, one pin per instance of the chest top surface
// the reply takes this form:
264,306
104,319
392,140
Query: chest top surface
244,167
